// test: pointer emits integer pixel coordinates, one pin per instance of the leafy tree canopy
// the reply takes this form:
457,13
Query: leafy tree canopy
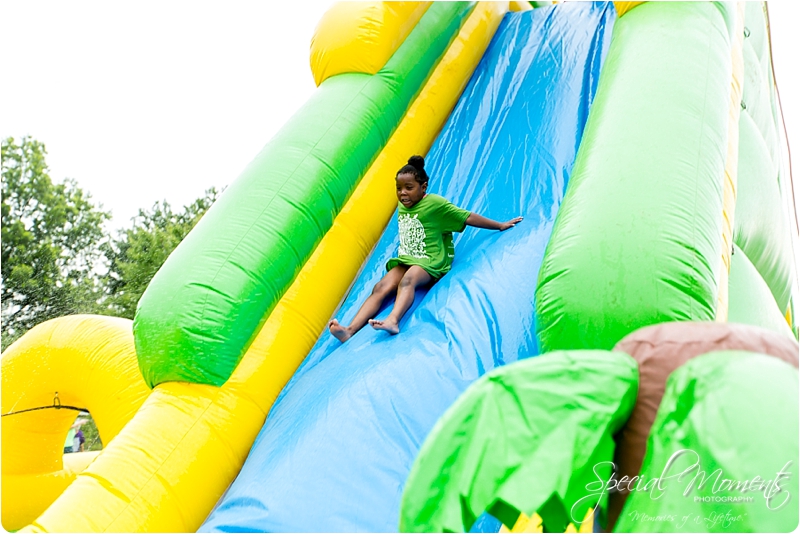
56,257
137,253
49,240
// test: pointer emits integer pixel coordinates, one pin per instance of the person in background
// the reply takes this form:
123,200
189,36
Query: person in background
70,441
78,441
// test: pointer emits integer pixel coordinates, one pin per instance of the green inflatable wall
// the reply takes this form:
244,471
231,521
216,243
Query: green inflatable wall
761,228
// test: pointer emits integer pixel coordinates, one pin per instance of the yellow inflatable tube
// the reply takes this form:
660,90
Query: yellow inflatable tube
361,36
169,466
81,361
27,496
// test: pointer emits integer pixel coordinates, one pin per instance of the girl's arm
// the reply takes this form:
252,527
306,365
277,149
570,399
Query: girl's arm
479,221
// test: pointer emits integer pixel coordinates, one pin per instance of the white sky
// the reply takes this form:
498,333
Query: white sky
162,100
152,100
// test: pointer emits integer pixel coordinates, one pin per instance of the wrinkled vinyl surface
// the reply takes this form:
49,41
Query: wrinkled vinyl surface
339,442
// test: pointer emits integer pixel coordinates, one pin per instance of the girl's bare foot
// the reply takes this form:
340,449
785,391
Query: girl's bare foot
342,333
388,325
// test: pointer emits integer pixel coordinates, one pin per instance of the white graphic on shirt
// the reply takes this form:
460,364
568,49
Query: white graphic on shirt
412,237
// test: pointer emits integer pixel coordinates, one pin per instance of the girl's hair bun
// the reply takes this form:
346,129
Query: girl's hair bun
418,162
415,167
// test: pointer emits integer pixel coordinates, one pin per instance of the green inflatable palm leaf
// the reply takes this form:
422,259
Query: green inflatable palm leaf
527,437
710,444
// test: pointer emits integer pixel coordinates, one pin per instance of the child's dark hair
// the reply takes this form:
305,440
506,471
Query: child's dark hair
416,166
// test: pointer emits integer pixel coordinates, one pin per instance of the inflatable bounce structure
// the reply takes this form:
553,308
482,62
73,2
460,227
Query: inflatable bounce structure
624,359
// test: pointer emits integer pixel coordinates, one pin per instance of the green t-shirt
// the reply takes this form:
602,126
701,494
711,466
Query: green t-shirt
426,234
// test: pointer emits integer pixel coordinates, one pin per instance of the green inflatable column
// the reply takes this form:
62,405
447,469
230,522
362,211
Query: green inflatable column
638,236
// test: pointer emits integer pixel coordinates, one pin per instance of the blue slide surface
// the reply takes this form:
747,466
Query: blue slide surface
340,440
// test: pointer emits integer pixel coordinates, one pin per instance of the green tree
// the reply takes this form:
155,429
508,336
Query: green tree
137,253
50,237
93,442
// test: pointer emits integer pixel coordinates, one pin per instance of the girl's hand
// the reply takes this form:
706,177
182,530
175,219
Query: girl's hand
508,224
479,221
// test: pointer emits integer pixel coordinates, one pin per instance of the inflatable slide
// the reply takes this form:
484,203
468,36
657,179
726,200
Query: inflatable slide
640,141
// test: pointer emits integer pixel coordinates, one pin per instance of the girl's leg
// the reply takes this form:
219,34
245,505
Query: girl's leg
414,277
382,289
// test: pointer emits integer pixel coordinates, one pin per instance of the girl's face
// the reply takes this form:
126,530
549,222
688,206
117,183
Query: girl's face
409,191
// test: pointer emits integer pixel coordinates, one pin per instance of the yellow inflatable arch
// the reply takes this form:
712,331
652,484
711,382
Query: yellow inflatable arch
77,362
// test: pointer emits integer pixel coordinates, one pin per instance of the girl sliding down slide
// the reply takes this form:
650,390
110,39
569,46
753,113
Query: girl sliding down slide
426,225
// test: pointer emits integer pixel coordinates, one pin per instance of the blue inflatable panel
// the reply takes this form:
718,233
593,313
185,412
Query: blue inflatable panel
486,523
338,445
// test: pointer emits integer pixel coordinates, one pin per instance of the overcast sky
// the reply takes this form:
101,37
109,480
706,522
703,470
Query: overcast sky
162,100
153,100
